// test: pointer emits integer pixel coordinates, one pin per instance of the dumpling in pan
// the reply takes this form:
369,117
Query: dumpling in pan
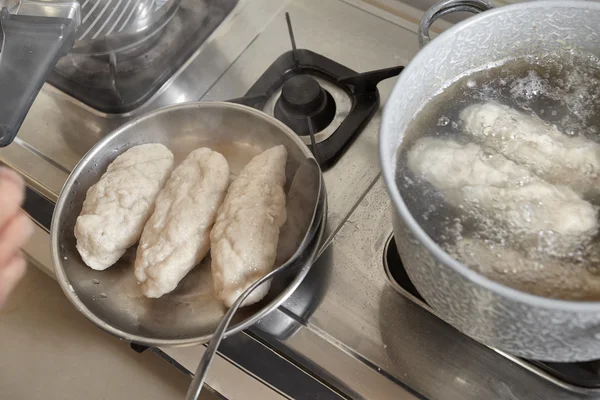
116,208
245,236
176,238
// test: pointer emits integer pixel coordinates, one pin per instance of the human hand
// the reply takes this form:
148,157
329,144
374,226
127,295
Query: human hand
15,230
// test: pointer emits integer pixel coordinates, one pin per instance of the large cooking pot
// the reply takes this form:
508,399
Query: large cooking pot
495,315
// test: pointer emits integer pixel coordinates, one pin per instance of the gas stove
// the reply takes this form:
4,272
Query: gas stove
346,332
119,82
326,103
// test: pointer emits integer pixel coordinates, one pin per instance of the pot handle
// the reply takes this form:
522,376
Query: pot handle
446,7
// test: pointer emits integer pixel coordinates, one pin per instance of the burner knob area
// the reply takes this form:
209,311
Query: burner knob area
302,101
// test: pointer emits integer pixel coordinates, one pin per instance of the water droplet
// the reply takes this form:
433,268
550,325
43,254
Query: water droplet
102,295
71,288
95,281
443,121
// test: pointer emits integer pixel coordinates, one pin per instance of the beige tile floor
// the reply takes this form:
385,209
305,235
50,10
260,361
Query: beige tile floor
51,352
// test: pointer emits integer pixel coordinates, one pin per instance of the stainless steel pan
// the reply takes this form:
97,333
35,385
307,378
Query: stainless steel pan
189,315
498,316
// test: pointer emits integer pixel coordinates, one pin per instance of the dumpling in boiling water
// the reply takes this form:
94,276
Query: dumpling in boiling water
541,275
501,189
567,160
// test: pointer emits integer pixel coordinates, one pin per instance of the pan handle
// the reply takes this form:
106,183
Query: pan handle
447,7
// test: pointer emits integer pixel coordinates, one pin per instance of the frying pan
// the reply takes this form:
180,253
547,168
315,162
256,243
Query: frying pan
111,299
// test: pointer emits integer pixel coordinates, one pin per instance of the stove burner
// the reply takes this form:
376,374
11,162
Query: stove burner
309,109
123,81
304,102
584,374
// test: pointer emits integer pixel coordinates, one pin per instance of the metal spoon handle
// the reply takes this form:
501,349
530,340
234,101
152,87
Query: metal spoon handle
317,218
198,381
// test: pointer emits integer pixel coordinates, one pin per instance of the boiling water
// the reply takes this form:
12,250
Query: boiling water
563,91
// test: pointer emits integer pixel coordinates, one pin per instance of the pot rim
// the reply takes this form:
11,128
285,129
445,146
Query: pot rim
388,166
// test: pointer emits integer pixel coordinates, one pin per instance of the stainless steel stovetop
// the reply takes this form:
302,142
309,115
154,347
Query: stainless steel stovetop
347,332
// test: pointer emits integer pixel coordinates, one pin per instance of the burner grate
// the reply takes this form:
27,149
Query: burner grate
326,103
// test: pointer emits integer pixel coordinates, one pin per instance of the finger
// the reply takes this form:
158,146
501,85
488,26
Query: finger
10,275
12,194
14,235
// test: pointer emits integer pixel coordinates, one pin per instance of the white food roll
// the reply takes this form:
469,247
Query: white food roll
245,236
573,161
542,276
177,235
119,204
469,177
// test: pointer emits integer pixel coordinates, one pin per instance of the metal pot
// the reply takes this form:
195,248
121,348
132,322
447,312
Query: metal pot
493,314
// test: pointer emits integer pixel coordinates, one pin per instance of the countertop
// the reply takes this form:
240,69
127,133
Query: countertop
50,351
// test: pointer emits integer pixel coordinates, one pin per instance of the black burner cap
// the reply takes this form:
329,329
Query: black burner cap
302,101
303,94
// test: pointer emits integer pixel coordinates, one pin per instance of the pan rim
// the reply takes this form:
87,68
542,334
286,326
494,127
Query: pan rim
60,208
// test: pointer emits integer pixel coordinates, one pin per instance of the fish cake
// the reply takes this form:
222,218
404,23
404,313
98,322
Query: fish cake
117,207
245,236
176,237
469,177
572,161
